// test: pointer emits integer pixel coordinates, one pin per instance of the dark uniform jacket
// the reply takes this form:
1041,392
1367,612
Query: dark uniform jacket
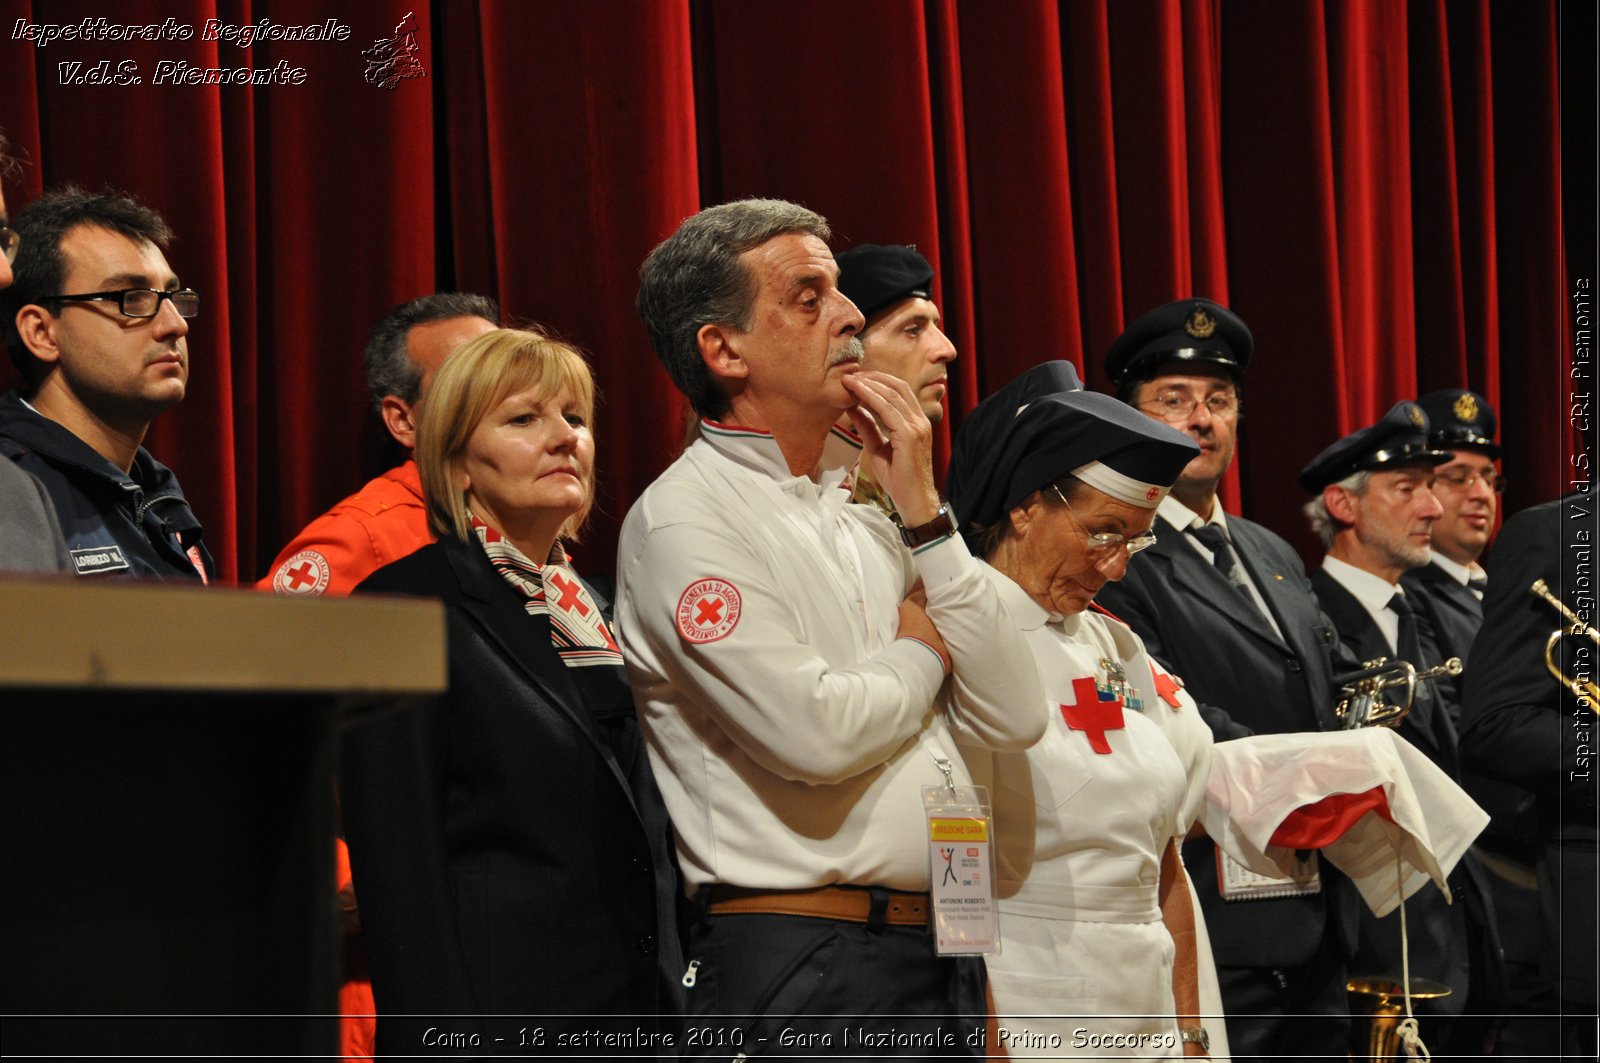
1453,611
120,524
509,848
1455,943
1247,680
1455,615
1523,727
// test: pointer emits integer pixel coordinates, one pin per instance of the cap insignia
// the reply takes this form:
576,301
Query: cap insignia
1466,408
1414,412
1200,324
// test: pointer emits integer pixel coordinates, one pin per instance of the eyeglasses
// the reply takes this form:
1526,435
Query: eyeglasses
1104,544
1462,480
138,302
1175,406
10,240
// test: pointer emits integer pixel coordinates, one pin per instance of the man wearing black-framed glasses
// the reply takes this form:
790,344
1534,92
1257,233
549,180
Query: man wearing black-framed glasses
97,324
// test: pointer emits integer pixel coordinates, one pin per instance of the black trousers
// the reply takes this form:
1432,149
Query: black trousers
790,987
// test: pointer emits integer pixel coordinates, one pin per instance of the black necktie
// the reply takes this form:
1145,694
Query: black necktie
1408,643
1477,585
1407,646
1215,539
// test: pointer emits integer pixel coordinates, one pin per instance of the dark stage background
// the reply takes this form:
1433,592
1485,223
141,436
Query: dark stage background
1378,187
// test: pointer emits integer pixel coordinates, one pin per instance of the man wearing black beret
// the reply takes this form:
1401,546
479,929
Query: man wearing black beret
1225,603
1374,510
892,286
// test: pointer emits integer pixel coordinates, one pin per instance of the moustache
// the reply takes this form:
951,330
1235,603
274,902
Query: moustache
852,351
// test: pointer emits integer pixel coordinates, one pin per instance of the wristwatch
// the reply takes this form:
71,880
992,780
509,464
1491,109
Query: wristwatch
1196,1035
942,525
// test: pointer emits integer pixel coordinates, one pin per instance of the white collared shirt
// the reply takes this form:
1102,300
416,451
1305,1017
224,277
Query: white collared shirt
1462,574
790,730
1373,592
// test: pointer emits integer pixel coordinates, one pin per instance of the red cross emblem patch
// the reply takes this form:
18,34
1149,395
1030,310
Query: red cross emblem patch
708,610
305,573
1095,713
1167,686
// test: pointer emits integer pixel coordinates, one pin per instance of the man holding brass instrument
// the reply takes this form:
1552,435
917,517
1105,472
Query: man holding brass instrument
1375,509
1524,725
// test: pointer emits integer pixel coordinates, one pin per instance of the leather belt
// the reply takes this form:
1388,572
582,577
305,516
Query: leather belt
850,904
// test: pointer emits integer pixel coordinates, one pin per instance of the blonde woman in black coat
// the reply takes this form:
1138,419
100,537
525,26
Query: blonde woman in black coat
508,842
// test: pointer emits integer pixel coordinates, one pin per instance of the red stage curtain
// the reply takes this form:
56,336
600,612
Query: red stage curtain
1375,185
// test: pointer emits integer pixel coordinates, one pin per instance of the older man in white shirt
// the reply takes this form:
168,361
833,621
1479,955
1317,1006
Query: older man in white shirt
786,647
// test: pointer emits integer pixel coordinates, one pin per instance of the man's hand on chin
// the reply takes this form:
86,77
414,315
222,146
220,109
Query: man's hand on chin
899,441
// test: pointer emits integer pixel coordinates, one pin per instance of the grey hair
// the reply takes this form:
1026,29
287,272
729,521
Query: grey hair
990,536
390,370
694,278
1316,510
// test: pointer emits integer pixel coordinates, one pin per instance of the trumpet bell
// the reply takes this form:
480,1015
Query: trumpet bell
1377,1004
1585,689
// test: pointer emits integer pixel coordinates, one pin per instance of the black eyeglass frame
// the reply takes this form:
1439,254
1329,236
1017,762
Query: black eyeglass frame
120,295
10,241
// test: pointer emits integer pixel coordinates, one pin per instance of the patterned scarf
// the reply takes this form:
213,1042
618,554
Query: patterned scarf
578,632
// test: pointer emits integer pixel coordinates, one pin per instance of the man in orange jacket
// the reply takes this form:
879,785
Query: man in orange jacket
385,520
382,522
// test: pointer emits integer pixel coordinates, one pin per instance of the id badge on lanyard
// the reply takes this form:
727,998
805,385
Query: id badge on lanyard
960,824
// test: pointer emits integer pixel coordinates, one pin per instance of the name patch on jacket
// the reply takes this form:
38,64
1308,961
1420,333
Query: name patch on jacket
93,560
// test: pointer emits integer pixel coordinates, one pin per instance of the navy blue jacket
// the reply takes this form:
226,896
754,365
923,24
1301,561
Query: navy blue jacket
130,524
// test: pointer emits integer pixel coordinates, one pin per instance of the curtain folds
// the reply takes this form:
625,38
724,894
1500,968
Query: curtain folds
1376,186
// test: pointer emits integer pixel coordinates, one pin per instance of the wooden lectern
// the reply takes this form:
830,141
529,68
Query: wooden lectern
168,806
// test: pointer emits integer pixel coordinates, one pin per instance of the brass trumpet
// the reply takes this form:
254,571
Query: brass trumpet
1587,691
1363,705
1377,1004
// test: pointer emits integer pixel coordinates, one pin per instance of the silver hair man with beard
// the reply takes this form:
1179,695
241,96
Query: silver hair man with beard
1375,510
786,648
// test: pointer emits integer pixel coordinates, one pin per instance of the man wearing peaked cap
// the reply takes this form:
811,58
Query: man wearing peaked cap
1448,591
1225,603
892,286
1400,437
1193,333
1468,486
1375,511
